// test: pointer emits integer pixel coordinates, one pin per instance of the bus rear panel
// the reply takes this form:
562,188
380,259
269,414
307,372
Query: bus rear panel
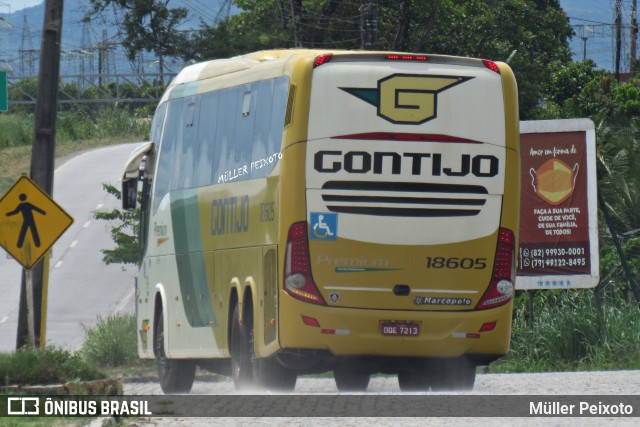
407,249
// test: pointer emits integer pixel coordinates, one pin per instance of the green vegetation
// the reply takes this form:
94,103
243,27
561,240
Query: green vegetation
112,346
124,231
532,35
45,366
112,342
573,330
77,129
109,349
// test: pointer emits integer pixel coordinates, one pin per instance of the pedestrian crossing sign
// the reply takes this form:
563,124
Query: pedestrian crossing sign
30,222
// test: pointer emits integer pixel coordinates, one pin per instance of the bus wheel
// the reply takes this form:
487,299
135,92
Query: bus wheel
267,372
349,378
270,375
176,376
453,374
241,369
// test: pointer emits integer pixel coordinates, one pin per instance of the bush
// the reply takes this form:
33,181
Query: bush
15,130
112,342
572,331
45,366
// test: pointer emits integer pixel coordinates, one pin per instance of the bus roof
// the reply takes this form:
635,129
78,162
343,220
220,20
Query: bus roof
220,67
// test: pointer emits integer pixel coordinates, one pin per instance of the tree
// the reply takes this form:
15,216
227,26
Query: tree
149,25
124,231
533,34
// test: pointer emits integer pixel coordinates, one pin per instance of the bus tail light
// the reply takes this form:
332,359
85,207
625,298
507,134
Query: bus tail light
298,281
322,59
406,57
501,289
491,65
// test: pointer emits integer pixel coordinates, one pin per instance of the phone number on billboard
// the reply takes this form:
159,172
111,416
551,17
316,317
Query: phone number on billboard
550,252
564,262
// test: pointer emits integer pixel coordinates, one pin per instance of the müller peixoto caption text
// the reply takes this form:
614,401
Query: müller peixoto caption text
581,408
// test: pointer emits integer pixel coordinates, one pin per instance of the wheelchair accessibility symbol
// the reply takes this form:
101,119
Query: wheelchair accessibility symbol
324,226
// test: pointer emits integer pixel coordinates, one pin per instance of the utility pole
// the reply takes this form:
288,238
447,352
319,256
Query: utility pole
34,281
370,30
634,35
618,37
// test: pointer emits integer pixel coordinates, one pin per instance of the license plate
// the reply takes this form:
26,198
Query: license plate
399,328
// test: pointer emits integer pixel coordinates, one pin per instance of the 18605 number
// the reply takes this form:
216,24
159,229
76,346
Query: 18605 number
453,263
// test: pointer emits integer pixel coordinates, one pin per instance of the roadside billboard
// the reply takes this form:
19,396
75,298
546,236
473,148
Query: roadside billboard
558,205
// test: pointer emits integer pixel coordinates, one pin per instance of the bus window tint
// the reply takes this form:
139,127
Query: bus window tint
156,125
196,151
226,135
185,147
208,118
166,160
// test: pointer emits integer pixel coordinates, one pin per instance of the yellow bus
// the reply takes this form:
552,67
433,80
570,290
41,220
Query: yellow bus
306,211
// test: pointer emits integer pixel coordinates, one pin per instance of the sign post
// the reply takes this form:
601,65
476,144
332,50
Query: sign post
4,92
30,223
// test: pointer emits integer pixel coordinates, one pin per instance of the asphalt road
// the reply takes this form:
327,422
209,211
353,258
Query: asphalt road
81,286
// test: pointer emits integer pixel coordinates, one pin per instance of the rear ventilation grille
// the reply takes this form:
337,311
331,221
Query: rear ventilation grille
288,118
403,199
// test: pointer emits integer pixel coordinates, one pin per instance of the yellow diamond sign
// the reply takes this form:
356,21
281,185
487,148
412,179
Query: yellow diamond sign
30,222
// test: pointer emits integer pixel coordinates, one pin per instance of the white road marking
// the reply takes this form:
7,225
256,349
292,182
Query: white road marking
4,319
73,244
58,264
99,206
86,224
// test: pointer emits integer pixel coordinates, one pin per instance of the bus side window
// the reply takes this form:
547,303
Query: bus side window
225,136
185,146
206,143
244,130
167,154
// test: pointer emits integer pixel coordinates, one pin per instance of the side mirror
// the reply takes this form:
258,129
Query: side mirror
129,194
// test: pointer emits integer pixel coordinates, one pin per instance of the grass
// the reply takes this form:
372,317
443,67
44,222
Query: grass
75,132
112,345
50,365
45,421
572,332
109,350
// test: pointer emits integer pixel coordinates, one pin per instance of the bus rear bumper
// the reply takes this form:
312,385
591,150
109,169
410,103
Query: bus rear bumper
358,332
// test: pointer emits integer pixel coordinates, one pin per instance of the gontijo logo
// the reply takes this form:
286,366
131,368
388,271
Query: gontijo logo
407,98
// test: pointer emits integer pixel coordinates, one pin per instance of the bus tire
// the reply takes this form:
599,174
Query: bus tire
175,376
268,374
453,374
241,370
349,378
